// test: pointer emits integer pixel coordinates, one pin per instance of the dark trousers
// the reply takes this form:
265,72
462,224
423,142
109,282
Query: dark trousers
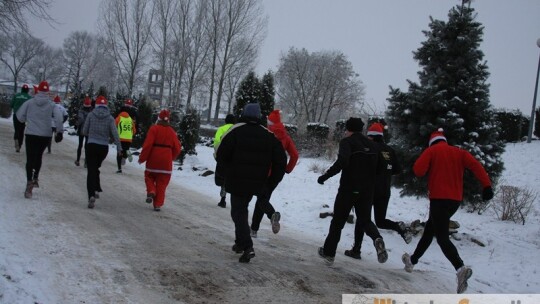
380,206
262,207
343,204
19,130
125,148
95,154
440,212
239,215
35,146
82,141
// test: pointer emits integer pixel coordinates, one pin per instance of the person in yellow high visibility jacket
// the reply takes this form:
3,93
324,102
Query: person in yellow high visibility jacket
126,130
229,122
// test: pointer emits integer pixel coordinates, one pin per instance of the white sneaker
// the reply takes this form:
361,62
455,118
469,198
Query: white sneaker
463,274
406,259
275,222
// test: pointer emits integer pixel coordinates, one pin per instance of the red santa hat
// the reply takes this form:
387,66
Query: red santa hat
87,103
164,115
437,135
57,99
128,102
274,117
101,101
376,129
25,86
43,86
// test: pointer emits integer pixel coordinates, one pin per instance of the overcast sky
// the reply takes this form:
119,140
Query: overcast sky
377,36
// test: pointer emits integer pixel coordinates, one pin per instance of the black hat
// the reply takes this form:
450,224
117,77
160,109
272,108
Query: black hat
229,119
354,124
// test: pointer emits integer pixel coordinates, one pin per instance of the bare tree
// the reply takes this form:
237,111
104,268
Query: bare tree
47,64
126,26
318,87
198,49
17,48
165,11
78,53
242,22
13,14
179,52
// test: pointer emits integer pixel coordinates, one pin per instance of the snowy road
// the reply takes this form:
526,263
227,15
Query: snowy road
56,250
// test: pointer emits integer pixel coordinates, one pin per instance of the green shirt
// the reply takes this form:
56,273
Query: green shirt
18,100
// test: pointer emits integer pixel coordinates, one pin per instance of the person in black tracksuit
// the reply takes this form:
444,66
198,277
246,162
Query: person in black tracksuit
359,163
251,157
383,184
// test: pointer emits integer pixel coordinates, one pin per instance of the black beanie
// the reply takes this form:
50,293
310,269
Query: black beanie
230,119
354,124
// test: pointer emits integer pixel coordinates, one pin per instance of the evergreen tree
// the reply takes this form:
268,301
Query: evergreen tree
452,94
146,119
268,93
189,132
73,108
249,91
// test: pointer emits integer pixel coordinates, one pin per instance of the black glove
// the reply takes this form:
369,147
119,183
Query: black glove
322,179
58,138
487,194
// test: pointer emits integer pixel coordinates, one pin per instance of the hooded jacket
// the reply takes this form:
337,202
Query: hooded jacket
99,127
247,152
160,148
37,113
281,133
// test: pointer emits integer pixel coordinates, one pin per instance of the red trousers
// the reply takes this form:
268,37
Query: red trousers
157,183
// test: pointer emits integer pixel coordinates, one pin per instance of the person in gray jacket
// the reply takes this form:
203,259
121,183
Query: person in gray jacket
37,113
99,127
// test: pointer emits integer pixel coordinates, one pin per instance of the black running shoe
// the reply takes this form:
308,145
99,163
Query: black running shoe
247,255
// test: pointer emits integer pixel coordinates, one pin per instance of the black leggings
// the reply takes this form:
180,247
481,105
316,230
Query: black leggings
262,207
19,130
95,154
125,148
343,204
440,212
82,140
35,146
380,206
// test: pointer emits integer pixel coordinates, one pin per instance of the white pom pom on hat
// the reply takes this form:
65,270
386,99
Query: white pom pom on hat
437,135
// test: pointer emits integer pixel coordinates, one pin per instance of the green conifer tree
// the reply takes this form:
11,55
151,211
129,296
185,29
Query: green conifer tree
452,94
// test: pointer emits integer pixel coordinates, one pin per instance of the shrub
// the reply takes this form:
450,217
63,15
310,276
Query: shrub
513,203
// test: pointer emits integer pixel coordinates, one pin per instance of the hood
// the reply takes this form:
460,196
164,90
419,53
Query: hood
101,112
42,99
279,130
124,114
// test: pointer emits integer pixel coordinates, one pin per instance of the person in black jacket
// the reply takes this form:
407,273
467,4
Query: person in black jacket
381,197
359,163
252,158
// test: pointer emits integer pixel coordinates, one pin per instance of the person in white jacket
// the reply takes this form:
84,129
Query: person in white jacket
37,113
58,104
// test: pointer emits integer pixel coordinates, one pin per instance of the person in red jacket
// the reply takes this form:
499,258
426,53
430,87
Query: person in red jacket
161,147
263,206
445,165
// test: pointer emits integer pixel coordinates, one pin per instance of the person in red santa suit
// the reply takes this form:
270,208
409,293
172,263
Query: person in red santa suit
161,147
444,166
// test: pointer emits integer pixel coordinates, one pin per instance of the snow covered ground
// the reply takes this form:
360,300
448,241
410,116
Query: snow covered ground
509,262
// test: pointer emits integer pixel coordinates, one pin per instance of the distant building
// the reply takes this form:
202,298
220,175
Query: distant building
155,86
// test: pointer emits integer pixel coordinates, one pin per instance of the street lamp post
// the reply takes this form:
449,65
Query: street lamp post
41,70
531,121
